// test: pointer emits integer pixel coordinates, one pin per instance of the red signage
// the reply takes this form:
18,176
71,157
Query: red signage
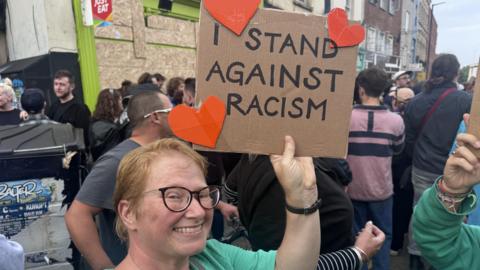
102,10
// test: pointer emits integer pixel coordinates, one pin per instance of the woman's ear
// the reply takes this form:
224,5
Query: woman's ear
127,215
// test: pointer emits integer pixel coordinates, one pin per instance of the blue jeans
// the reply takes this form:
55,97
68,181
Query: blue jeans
380,213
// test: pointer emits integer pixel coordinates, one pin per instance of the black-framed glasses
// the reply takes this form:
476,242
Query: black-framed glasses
178,199
158,111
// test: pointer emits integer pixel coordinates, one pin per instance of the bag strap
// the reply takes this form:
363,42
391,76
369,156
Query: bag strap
427,116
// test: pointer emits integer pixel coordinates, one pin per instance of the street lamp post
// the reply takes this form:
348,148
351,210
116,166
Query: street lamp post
430,37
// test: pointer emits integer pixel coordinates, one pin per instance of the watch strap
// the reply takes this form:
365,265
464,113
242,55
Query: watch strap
305,211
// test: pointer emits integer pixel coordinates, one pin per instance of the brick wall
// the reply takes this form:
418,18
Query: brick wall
385,22
133,45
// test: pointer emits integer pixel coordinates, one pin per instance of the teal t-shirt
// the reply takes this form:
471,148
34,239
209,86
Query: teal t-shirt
217,255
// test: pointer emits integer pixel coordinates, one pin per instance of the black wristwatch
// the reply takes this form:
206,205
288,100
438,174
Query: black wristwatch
305,211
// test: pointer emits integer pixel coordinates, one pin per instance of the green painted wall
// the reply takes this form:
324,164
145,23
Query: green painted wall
87,58
187,10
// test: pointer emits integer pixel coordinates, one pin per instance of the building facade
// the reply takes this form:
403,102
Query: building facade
408,40
145,36
433,34
354,9
423,26
383,26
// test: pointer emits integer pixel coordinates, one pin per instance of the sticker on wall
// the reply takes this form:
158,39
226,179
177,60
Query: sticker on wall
21,203
102,12
96,13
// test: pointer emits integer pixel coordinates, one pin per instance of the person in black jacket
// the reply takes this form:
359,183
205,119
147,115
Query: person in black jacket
105,130
261,203
67,109
431,132
253,186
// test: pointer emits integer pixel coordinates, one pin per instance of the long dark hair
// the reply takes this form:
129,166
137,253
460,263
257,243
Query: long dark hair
108,105
444,69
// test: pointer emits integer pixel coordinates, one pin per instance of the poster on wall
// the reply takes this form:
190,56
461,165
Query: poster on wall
21,203
97,12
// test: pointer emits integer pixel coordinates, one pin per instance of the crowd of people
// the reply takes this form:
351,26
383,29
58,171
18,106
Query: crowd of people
151,202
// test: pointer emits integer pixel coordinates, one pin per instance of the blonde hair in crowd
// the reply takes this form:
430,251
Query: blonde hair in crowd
135,168
5,88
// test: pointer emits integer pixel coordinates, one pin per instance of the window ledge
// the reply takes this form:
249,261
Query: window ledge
303,5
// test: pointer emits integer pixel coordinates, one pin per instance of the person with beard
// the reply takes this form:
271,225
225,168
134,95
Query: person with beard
148,113
175,90
67,109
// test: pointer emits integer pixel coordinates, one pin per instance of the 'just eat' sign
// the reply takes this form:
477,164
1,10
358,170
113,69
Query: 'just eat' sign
102,12
282,75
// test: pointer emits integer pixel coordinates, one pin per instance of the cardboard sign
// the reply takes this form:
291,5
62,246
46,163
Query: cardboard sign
279,77
474,125
102,12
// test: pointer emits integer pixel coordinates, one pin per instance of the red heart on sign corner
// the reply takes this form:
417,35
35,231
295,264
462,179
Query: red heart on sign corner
233,14
202,126
343,34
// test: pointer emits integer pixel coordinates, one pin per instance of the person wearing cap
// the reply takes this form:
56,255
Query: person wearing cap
33,102
402,78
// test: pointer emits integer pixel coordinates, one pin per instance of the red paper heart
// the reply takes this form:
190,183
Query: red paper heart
343,34
233,14
200,127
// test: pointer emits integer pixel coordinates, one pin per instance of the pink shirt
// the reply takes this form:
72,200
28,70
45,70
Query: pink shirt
376,134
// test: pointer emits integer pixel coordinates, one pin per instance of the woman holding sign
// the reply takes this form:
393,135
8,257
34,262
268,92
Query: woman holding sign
165,212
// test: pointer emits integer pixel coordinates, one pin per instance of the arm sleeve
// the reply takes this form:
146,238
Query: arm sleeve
231,185
345,259
232,257
97,189
82,120
443,239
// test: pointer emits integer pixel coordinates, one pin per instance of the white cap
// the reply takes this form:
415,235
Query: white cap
400,73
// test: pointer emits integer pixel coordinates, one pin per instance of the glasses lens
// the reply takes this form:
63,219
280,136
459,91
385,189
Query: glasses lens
177,199
209,197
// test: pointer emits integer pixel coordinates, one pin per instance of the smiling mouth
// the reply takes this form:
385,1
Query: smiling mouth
189,229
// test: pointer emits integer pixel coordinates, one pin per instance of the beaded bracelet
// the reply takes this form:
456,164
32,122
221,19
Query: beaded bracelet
451,201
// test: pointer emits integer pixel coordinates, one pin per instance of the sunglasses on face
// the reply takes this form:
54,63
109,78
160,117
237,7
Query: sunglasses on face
157,111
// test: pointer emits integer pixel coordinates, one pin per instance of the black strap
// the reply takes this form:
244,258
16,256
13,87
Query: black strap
430,112
305,211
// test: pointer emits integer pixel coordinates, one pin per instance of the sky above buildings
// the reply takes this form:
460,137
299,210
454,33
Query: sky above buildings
459,29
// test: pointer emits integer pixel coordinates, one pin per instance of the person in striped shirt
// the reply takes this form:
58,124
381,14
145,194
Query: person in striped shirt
376,134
